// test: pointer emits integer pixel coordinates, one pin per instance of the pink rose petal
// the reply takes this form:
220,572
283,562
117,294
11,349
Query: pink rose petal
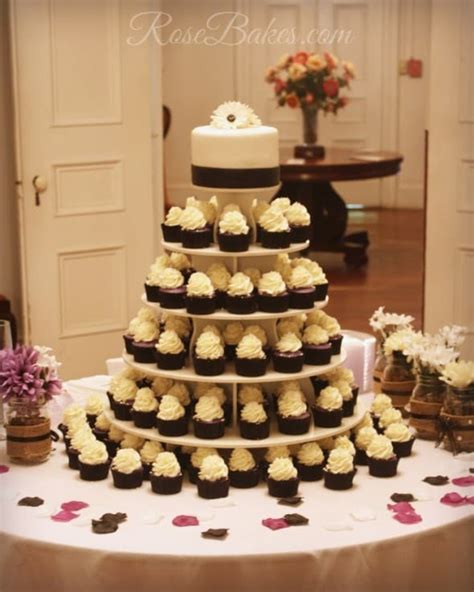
183,520
4,469
463,481
453,499
470,499
407,518
401,508
64,516
74,506
275,523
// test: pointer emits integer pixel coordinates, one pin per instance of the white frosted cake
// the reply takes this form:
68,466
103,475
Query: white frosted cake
235,150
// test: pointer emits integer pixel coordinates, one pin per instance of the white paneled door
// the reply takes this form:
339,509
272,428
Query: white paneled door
83,126
358,31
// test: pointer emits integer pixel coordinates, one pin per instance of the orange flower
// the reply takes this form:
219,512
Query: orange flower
292,101
301,57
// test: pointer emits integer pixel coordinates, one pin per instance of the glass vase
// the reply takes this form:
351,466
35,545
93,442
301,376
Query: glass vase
425,405
28,431
457,419
310,124
398,381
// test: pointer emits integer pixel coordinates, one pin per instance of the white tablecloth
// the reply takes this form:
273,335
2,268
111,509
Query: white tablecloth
148,553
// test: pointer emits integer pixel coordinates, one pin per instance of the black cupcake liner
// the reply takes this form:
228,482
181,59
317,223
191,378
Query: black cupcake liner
288,488
111,399
99,434
152,293
327,419
302,298
91,419
172,427
317,355
318,384
128,342
144,351
171,234
166,485
123,411
200,305
355,392
200,238
233,243
275,240
244,479
361,457
348,407
112,447
250,367
229,351
300,234
172,298
254,431
338,481
209,430
73,458
127,481
94,472
294,426
146,470
220,299
241,305
278,303
193,473
336,342
309,472
144,419
212,489
321,292
403,449
383,468
170,361
288,363
205,367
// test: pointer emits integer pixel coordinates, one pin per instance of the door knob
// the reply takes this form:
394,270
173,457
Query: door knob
40,184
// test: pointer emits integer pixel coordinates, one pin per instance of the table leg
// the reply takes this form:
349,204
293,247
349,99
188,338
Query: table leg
329,215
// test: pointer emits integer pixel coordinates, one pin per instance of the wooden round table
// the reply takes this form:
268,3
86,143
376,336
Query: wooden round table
309,182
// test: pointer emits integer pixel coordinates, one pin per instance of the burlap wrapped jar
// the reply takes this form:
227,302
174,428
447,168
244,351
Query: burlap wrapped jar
398,381
425,405
28,430
457,419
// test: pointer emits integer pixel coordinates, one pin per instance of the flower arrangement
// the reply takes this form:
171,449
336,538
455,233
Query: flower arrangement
401,341
29,374
308,79
385,323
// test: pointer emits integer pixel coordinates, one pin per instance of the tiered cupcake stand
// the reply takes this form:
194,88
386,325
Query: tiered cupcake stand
264,260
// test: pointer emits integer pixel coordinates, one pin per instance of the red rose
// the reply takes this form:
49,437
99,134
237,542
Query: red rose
330,87
292,101
279,86
301,57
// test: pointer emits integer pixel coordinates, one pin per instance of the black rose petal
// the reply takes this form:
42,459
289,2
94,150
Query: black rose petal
32,502
437,480
116,518
103,526
295,519
215,533
402,497
290,501
471,470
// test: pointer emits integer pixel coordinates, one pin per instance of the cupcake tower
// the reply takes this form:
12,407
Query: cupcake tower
236,231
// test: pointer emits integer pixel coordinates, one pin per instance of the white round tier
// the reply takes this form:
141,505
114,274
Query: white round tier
230,377
232,438
214,251
223,315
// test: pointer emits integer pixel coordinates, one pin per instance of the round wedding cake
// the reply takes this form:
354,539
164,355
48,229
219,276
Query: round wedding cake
235,151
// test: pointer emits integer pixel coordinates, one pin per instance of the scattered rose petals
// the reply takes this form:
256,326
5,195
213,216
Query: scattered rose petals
295,519
454,499
463,481
184,520
408,518
64,516
32,502
363,514
74,506
437,480
401,508
290,501
337,525
275,523
215,533
4,469
402,497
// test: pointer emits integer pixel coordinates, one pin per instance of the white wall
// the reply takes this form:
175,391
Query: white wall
9,260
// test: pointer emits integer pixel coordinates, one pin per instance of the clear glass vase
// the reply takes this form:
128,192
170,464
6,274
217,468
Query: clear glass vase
28,431
457,419
425,405
429,388
310,124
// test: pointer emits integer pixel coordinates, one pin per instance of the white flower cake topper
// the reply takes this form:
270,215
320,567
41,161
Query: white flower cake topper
234,115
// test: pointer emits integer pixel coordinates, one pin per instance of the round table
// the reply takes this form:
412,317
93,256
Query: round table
309,181
334,552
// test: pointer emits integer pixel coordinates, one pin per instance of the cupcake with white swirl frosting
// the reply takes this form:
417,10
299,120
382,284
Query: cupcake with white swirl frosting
274,229
282,478
200,295
233,234
301,288
144,341
243,470
241,298
381,458
171,227
316,346
254,422
166,476
208,419
250,359
292,414
300,222
272,293
327,410
171,419
127,470
339,470
232,334
170,351
287,354
195,232
310,462
213,478
144,408
172,288
208,355
220,278
401,437
94,462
